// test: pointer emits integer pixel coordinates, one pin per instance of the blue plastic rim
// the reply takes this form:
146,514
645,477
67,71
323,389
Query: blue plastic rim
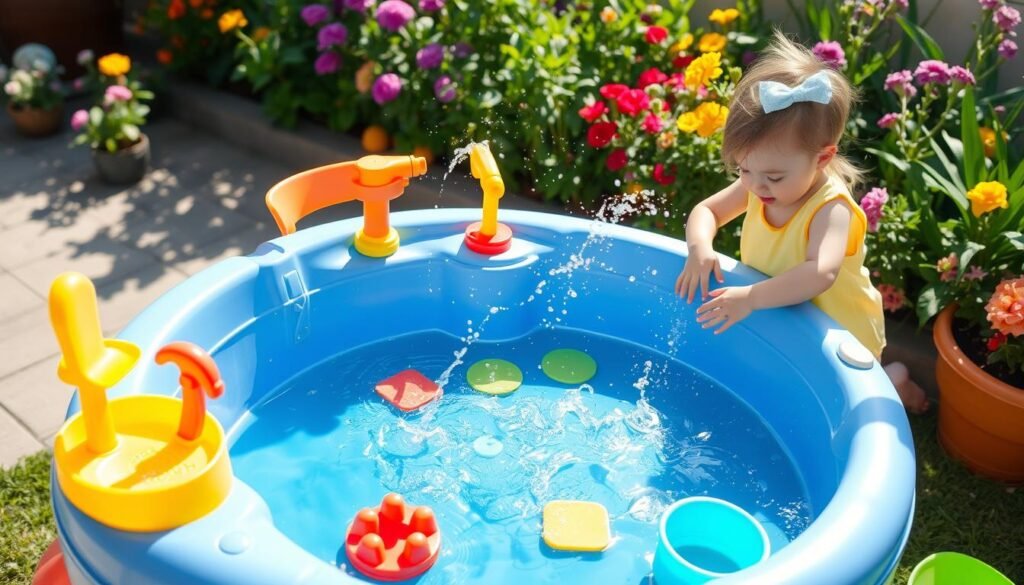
703,538
302,299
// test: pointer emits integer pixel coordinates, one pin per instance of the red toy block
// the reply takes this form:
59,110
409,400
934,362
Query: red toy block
393,542
408,390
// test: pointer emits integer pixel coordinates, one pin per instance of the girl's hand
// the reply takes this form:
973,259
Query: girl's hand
700,263
729,306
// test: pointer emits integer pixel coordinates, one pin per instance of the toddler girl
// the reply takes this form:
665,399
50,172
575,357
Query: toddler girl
802,227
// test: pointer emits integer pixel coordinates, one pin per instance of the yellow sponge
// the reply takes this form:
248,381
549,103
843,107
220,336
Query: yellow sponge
576,526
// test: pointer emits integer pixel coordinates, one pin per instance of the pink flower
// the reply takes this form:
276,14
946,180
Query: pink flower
612,91
386,88
961,75
617,159
900,4
872,203
78,84
462,50
331,35
633,102
314,14
431,5
1007,49
830,53
1006,307
932,71
652,123
655,34
901,83
360,6
593,112
1006,18
117,93
651,77
893,298
430,56
947,267
444,89
990,4
889,120
327,63
394,14
79,119
975,273
662,174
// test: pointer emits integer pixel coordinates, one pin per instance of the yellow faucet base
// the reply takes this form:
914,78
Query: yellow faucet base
153,479
377,247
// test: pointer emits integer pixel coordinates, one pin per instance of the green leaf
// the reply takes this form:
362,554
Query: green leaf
1016,239
974,153
111,145
930,302
929,48
825,23
966,253
890,158
131,132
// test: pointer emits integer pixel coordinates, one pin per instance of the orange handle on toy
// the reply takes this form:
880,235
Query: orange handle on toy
199,375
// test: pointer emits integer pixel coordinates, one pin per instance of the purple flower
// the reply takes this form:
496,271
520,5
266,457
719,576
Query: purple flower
77,85
79,119
900,4
1006,18
327,63
431,5
386,88
444,89
117,93
932,71
331,35
314,14
462,50
1007,49
990,4
360,6
961,75
84,57
901,83
430,56
872,204
889,120
830,53
748,57
394,14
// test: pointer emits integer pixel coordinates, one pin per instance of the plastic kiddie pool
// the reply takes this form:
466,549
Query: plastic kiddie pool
312,443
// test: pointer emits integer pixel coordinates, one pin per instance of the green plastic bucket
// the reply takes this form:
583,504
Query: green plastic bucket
950,568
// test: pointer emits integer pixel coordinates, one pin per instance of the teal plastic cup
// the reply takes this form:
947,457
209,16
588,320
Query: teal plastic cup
703,538
950,568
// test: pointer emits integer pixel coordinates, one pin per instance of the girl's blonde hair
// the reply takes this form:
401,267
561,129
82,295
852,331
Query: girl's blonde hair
814,125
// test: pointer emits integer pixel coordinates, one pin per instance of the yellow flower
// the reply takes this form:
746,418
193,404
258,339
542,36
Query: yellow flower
682,44
705,120
987,196
231,20
260,33
364,77
115,64
608,15
724,17
711,42
703,69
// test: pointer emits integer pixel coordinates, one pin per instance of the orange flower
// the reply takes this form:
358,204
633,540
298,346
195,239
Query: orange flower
711,42
164,56
260,33
1006,307
195,3
176,9
231,20
703,69
987,196
724,17
364,77
206,14
114,64
705,120
608,15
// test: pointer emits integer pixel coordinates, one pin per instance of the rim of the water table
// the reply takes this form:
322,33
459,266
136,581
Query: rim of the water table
858,536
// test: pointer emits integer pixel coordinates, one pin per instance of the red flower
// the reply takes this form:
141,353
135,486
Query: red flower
655,34
593,111
661,176
652,124
601,134
677,81
612,91
617,159
996,341
681,61
633,102
651,77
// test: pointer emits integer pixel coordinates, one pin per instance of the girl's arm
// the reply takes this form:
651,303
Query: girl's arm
701,227
826,248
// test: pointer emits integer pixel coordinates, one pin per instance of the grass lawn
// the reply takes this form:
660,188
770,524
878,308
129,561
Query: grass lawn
955,511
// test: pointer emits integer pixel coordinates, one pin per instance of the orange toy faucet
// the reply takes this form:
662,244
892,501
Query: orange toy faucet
375,180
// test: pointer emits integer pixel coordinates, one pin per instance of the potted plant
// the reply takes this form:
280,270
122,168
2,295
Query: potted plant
977,290
112,127
35,100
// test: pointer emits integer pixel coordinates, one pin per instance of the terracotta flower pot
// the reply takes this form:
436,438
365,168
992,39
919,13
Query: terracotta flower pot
126,166
36,122
981,419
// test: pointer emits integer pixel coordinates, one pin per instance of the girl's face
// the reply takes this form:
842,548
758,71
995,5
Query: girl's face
780,173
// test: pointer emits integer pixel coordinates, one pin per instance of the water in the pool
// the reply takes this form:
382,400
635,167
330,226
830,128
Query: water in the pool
645,431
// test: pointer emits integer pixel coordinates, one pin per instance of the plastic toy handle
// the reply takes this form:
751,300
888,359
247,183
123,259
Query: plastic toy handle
483,167
199,375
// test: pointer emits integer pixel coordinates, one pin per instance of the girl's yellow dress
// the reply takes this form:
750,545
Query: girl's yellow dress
852,300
